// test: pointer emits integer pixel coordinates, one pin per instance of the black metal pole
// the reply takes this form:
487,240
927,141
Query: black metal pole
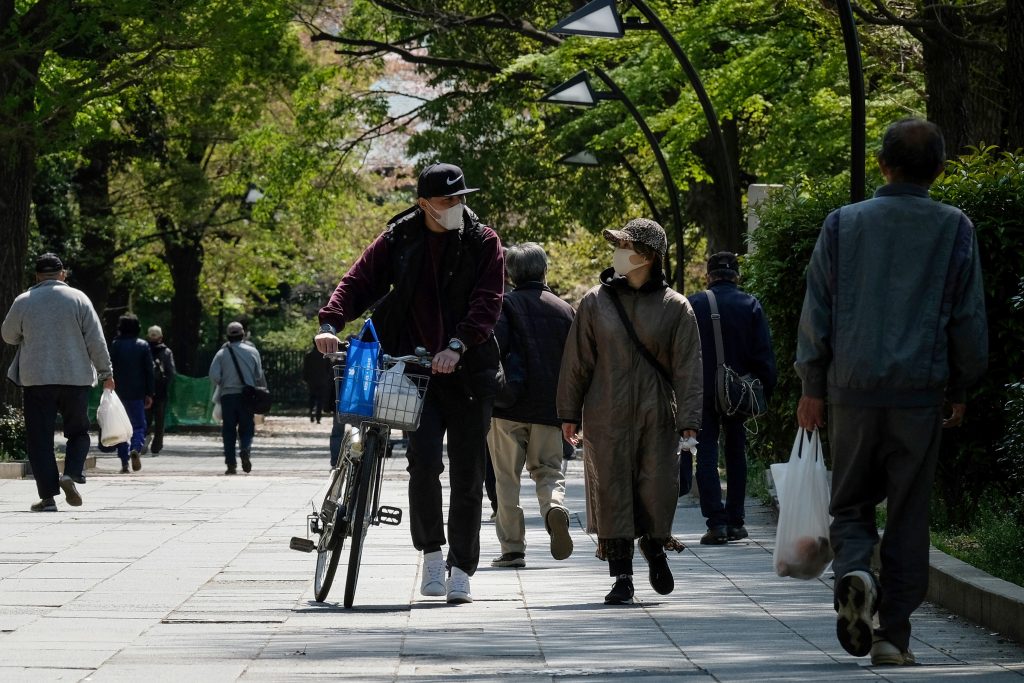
727,187
673,191
857,134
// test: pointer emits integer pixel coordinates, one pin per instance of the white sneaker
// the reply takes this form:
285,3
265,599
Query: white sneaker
432,583
458,587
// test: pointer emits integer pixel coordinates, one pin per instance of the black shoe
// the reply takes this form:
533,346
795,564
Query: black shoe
736,533
622,592
125,470
71,494
659,573
231,470
246,463
45,505
78,478
136,461
509,560
716,535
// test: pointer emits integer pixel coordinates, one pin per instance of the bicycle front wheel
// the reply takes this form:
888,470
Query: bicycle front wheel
362,512
334,528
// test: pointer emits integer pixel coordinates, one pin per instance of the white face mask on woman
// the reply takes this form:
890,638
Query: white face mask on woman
622,263
450,218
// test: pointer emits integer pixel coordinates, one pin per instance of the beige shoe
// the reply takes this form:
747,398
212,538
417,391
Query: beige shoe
884,653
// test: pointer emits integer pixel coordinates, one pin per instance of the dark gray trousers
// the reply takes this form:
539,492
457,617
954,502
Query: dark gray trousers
884,454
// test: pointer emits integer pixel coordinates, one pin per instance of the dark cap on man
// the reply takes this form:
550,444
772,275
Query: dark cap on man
724,264
641,231
48,264
235,330
442,180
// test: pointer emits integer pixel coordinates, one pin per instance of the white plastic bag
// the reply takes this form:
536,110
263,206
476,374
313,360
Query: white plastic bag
218,413
397,398
115,427
802,548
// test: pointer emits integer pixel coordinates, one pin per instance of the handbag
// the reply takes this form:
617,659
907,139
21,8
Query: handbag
359,382
802,549
735,394
636,340
256,398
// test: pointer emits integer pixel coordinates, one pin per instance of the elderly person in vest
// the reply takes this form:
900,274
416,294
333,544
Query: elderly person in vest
525,430
631,375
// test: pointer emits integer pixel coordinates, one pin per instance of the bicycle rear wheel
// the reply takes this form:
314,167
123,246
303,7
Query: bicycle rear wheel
334,528
362,512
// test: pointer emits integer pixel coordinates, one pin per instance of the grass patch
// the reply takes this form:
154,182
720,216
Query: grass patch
994,543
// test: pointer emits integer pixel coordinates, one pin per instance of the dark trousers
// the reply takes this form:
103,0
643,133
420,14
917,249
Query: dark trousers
884,454
155,419
710,484
239,426
316,405
42,403
448,408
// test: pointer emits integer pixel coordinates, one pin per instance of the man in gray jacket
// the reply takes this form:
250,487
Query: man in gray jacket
893,331
237,364
61,352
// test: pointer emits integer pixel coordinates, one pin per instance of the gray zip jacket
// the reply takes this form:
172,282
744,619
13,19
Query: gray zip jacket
224,375
59,338
894,314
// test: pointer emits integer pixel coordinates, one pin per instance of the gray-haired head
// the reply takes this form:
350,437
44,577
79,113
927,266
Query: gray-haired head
526,263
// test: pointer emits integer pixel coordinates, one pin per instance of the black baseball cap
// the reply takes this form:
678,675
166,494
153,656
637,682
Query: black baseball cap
724,261
49,263
442,180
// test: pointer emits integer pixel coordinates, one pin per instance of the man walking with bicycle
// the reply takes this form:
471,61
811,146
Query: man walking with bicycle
435,279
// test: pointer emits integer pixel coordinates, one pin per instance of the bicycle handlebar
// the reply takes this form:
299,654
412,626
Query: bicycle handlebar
418,357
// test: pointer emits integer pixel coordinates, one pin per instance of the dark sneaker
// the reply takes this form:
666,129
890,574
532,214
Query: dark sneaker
71,494
509,560
136,461
736,533
557,522
622,592
230,470
78,478
884,653
45,505
659,573
246,463
716,535
125,470
855,603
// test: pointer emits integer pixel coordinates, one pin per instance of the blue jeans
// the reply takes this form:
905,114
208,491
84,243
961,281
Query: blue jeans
136,410
731,512
239,426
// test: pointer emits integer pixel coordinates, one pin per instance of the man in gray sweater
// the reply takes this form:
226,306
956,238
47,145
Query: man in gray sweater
61,353
893,331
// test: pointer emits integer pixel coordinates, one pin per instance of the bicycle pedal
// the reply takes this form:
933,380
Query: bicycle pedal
303,544
389,515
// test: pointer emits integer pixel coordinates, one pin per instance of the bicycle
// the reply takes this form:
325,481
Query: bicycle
352,500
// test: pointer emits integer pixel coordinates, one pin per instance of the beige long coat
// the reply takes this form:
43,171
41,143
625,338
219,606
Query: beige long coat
630,417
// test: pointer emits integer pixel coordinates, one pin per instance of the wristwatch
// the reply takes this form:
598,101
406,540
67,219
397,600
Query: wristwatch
456,345
328,328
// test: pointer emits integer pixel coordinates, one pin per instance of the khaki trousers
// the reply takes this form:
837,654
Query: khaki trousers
514,445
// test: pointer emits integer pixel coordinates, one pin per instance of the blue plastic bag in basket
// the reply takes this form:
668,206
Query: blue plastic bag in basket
361,365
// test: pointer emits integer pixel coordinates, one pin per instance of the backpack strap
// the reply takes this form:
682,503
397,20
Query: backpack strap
648,356
238,369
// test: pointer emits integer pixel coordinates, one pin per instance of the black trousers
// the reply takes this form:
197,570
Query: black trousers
42,403
449,407
155,419
885,454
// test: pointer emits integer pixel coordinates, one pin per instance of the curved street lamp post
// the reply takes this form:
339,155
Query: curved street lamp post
578,91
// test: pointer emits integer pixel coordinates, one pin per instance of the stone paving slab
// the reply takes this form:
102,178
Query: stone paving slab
180,573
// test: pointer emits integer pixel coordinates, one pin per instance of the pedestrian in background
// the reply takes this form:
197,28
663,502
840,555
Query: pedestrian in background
631,375
531,333
236,365
136,385
163,373
319,379
747,346
61,353
893,332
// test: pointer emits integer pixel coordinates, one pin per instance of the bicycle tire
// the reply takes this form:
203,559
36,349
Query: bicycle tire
329,549
360,514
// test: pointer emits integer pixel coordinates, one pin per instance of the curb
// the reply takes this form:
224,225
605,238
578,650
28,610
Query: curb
22,469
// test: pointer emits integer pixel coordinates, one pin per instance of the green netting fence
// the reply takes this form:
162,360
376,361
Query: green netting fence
188,405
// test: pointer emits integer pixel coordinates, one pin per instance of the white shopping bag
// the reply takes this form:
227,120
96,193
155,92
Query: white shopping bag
397,398
802,548
218,413
115,427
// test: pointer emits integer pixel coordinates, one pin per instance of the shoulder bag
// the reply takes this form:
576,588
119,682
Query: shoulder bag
256,398
735,394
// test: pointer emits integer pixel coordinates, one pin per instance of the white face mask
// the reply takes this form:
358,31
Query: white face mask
621,261
450,218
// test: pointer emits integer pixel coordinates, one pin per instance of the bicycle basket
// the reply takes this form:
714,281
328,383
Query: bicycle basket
398,397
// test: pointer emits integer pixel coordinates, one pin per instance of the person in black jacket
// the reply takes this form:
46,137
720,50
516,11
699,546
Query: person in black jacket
163,374
133,375
748,349
525,429
319,378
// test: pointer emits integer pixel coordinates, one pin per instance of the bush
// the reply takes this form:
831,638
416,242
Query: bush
12,433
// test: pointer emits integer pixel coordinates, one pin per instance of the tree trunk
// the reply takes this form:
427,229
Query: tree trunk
704,203
947,80
1014,58
184,253
94,265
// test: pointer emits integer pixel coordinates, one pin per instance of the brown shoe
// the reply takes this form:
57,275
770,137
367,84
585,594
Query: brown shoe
136,461
71,494
557,522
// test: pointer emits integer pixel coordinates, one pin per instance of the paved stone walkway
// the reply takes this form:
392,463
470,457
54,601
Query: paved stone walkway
178,573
